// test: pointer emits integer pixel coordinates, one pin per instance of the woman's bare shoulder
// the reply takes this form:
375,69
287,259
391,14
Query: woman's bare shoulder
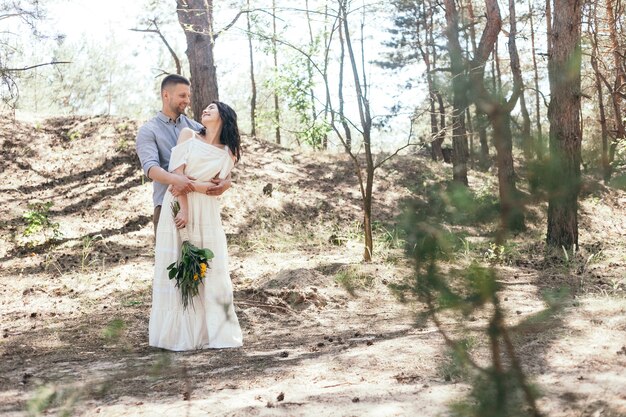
230,153
185,135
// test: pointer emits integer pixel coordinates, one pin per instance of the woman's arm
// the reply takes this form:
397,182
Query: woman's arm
175,188
218,185
182,217
215,187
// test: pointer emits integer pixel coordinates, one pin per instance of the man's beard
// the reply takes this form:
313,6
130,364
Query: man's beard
178,110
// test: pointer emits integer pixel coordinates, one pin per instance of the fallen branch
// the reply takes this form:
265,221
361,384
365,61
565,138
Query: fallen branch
263,305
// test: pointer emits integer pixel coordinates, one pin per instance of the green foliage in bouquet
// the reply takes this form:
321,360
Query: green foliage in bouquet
191,267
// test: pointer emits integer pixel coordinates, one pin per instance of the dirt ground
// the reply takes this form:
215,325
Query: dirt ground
75,294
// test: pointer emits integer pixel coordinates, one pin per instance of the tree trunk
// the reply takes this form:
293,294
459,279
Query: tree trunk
539,146
275,53
564,64
442,122
344,123
196,19
366,125
480,121
325,72
593,35
436,137
527,142
470,136
606,164
496,58
499,112
511,211
367,201
459,100
620,79
309,67
252,79
527,139
549,26
437,133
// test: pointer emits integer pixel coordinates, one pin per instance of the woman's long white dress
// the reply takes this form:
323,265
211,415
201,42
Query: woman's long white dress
211,322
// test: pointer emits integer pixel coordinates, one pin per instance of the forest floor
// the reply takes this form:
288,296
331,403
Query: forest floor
324,333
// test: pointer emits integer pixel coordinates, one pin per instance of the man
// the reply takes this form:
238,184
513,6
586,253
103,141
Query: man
159,135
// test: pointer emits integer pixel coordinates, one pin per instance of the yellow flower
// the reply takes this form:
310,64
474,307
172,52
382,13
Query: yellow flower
203,267
195,277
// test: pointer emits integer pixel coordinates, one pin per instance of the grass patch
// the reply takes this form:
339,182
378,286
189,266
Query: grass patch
618,181
352,279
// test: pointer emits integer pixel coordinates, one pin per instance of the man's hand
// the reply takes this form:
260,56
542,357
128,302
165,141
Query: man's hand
218,186
181,185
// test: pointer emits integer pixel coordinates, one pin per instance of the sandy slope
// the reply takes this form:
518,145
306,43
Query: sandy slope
74,313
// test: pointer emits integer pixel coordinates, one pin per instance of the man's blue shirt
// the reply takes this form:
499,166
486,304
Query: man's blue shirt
154,144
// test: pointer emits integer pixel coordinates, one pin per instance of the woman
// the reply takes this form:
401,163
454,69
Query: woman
211,322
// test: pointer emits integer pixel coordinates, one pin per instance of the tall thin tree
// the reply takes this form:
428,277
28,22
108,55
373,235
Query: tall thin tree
593,32
498,109
275,56
564,71
253,91
480,119
539,143
459,91
593,28
619,83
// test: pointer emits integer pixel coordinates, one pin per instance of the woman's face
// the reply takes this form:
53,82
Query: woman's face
211,114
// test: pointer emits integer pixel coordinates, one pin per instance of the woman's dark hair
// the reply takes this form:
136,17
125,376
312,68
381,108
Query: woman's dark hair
230,131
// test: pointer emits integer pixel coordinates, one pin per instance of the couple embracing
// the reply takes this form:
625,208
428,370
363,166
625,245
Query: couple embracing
190,163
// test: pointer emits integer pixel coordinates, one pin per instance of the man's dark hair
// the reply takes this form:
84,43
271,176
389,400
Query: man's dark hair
173,79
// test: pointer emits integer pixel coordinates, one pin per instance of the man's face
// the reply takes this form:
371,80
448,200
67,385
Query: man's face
177,98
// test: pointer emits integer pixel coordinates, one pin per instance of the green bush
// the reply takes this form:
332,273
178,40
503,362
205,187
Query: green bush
38,219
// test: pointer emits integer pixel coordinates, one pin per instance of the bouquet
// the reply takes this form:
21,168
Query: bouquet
191,267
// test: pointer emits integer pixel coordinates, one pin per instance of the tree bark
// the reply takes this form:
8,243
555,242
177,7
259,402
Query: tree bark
593,35
196,19
327,41
499,112
564,71
511,211
539,145
366,124
606,164
309,67
470,137
442,121
275,55
527,140
344,123
252,79
620,79
549,26
498,74
480,121
436,135
459,100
